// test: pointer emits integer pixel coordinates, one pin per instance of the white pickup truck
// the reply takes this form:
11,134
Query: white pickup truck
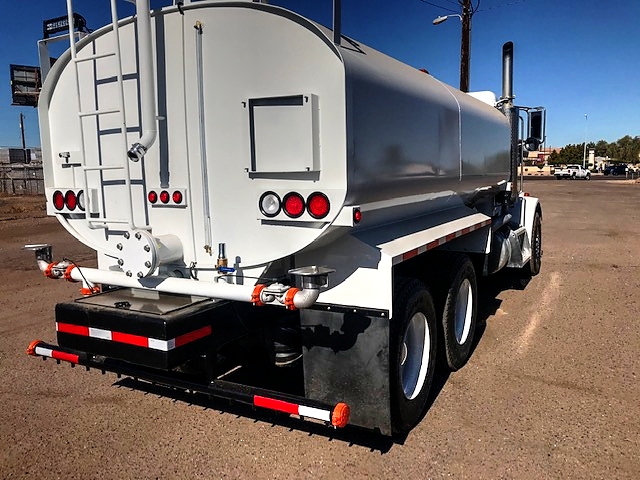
573,172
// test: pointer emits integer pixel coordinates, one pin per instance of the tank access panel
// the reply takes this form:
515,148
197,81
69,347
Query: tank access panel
143,327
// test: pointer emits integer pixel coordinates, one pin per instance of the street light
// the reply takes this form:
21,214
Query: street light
443,18
465,43
584,153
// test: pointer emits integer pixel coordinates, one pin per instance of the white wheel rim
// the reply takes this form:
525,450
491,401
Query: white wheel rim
464,311
414,361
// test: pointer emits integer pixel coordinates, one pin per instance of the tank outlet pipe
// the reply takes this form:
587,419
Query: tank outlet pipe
147,83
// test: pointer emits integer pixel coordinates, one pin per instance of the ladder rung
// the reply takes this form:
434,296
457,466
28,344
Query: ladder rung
103,167
98,112
94,57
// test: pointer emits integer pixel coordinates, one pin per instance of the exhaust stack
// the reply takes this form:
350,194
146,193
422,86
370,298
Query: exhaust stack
512,113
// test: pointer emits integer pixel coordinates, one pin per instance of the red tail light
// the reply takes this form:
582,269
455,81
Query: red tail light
152,196
70,200
293,204
58,200
318,205
177,197
164,196
357,215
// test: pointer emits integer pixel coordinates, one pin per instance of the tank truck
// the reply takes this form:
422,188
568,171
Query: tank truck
270,199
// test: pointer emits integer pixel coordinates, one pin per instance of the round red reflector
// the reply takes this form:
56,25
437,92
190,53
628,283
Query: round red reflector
357,215
164,196
58,200
70,200
293,204
177,196
152,196
318,205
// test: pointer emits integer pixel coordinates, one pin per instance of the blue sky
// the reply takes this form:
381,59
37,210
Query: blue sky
574,57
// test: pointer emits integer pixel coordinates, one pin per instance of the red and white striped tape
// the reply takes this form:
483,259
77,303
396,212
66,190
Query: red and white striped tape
292,408
58,355
137,340
439,241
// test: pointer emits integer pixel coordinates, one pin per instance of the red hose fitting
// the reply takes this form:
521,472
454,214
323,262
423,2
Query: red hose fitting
288,298
255,295
48,272
67,273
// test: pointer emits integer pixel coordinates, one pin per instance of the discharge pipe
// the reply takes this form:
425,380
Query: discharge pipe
147,83
313,280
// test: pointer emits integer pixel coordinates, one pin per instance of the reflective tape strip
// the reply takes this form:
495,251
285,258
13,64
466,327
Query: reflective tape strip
291,408
137,340
130,339
273,404
47,352
73,329
314,413
99,333
438,242
163,345
44,352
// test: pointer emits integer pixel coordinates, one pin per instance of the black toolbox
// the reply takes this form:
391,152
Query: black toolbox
143,327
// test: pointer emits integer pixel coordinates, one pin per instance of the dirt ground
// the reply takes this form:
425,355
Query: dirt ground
551,390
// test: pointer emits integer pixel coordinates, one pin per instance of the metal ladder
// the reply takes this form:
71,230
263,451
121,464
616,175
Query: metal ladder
102,221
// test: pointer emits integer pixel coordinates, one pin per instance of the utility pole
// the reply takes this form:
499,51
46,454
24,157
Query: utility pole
465,44
24,144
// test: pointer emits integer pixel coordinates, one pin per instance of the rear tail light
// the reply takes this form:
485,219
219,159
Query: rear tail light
318,205
293,204
58,200
269,204
70,200
357,215
176,197
80,199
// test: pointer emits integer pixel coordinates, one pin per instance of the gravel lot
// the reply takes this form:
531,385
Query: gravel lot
551,390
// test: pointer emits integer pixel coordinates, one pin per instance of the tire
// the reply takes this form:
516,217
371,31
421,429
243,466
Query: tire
413,353
459,312
533,267
587,177
573,177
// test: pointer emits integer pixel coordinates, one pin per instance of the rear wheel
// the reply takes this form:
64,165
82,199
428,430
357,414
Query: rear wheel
459,311
413,352
588,177
534,264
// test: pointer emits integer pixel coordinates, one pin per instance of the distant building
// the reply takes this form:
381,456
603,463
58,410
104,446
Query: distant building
21,171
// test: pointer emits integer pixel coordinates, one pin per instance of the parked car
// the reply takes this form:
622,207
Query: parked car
618,169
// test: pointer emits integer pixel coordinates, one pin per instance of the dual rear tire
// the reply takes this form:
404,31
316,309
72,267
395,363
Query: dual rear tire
420,324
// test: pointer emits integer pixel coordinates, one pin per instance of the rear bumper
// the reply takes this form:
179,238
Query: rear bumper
333,415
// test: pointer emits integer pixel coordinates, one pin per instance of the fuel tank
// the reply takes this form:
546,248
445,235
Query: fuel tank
268,135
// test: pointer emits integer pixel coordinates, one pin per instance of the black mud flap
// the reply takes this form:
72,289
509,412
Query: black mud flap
346,357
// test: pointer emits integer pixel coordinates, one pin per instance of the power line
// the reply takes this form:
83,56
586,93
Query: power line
439,6
516,2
